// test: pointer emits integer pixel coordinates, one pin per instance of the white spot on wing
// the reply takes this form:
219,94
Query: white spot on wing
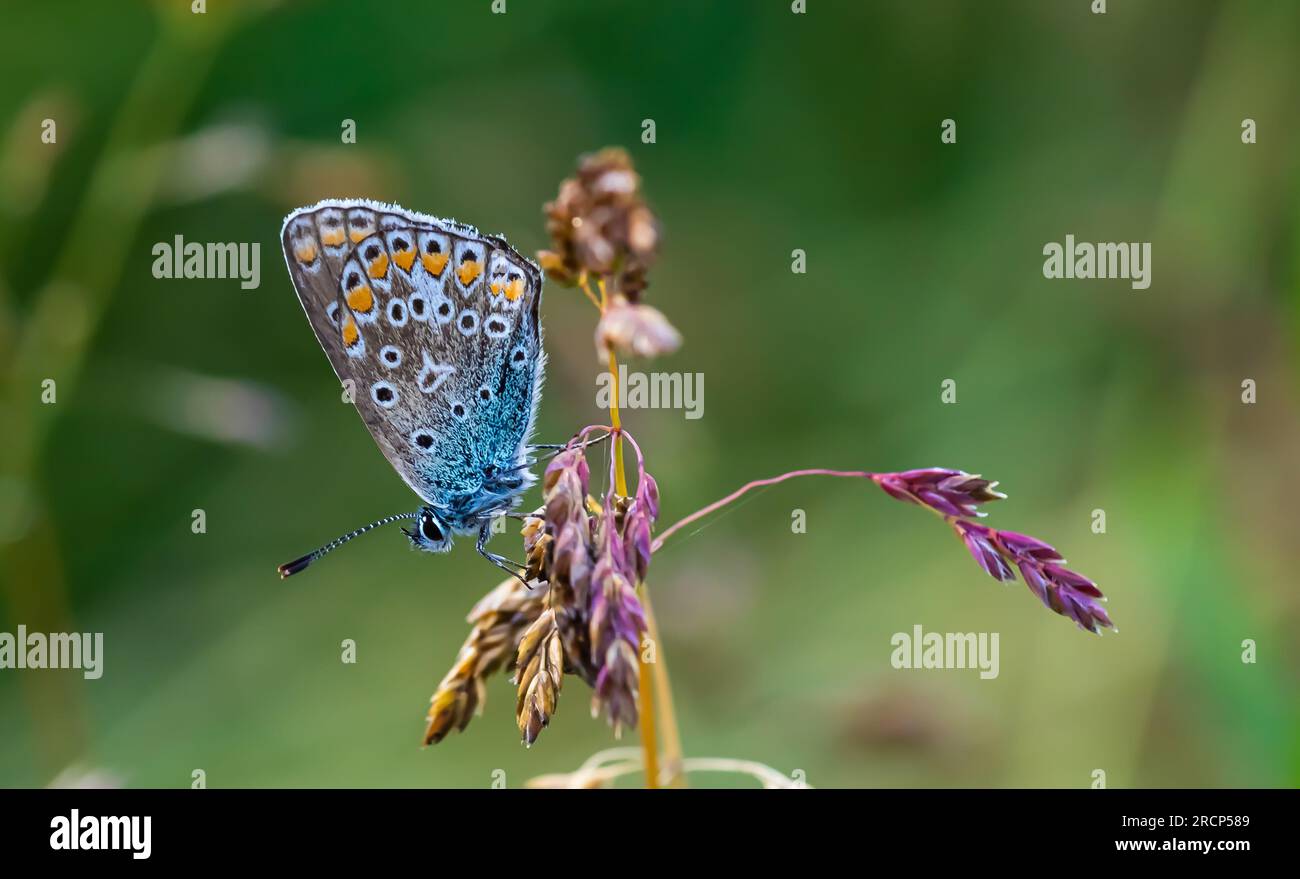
432,375
384,394
467,322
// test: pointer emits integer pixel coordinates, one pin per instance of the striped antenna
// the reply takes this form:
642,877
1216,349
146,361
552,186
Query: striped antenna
290,568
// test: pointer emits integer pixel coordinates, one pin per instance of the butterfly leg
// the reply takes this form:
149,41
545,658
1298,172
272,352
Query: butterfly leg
553,448
514,569
558,446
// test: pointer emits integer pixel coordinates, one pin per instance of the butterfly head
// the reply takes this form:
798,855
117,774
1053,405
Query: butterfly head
431,532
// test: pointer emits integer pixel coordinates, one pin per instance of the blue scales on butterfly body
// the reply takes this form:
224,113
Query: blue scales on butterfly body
434,330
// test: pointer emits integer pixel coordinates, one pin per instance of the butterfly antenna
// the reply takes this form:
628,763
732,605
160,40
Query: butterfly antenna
290,568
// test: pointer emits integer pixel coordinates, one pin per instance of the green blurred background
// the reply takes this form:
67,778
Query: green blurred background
774,131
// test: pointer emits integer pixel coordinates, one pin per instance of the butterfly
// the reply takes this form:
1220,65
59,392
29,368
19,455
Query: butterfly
434,329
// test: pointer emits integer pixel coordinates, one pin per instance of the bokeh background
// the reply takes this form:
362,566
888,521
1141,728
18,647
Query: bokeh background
775,131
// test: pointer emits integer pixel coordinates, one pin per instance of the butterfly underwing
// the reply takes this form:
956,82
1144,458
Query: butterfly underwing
434,329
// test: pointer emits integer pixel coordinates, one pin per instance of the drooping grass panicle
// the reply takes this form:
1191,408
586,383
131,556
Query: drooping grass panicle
1064,591
956,495
949,492
617,622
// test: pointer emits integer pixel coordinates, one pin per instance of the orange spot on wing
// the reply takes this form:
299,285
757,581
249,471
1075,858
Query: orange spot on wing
434,263
468,271
306,254
515,289
495,287
360,299
350,332
359,235
405,259
379,267
332,237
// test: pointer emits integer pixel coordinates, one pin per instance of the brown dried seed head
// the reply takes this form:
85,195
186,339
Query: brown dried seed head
499,620
531,640
533,528
541,669
553,264
539,560
574,639
600,225
457,698
642,230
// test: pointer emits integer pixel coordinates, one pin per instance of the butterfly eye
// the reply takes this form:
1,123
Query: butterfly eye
430,529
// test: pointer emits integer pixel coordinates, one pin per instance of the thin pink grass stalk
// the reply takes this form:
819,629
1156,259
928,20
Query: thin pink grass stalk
745,489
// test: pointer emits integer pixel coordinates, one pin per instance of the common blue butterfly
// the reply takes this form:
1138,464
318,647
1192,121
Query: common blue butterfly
435,329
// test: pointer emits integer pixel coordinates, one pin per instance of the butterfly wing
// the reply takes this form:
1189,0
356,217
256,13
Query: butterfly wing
436,330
